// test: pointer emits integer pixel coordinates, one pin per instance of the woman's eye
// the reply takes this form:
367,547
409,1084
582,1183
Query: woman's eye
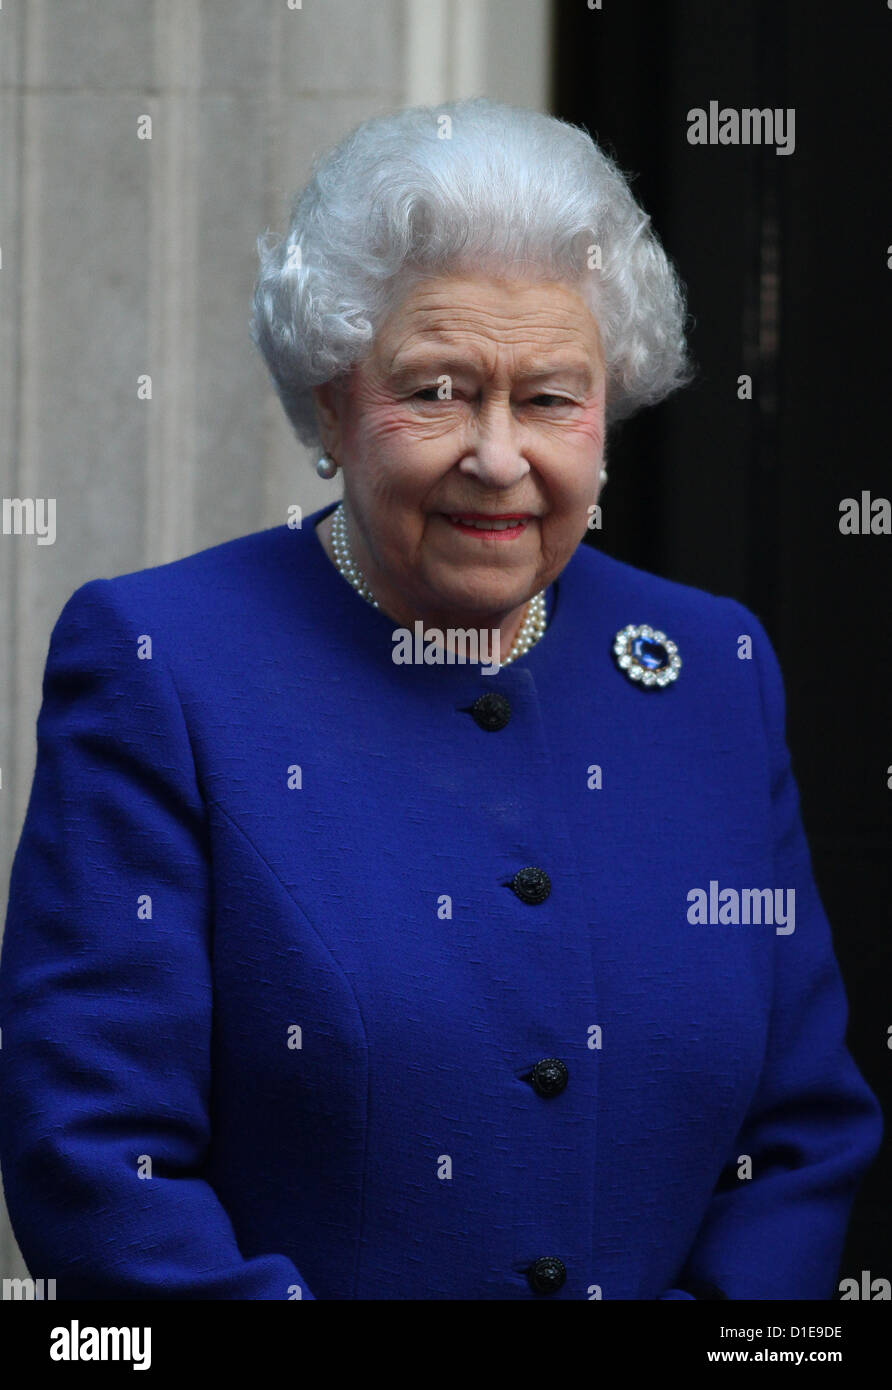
546,399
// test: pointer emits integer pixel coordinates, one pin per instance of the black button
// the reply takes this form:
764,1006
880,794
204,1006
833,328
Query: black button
531,885
491,712
549,1077
547,1274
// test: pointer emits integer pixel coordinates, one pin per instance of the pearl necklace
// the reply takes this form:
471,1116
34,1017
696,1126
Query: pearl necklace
531,629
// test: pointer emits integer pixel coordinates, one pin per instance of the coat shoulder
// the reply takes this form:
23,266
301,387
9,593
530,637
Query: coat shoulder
198,588
650,597
228,562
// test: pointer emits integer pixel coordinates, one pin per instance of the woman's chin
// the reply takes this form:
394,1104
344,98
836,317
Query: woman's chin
480,606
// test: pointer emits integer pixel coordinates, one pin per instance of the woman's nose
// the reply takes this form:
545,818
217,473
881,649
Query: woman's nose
494,450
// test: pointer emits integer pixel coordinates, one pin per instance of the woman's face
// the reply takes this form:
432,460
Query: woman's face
471,440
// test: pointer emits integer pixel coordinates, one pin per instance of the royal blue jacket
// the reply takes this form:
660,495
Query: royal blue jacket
273,1012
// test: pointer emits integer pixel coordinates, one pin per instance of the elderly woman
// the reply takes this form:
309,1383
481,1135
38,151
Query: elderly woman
415,904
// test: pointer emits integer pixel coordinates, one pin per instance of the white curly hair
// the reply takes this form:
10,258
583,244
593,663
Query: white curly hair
432,190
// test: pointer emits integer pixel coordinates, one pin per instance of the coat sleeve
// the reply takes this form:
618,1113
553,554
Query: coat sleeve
106,990
814,1126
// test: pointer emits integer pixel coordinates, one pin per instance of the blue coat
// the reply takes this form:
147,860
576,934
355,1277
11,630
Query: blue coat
273,1012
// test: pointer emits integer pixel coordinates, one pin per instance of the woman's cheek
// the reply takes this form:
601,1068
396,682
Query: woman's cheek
399,427
588,428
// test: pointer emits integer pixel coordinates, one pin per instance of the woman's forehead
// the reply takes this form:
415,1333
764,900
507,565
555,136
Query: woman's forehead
461,319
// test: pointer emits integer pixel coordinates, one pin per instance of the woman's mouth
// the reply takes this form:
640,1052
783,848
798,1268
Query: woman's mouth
502,527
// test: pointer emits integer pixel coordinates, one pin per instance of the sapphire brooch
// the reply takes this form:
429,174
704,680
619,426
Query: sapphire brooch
646,656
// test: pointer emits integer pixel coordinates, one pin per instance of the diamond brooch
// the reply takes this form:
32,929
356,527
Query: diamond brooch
646,656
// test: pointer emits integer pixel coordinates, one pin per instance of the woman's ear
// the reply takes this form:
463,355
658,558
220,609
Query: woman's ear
327,398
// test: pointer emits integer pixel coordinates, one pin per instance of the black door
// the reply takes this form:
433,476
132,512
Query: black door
788,262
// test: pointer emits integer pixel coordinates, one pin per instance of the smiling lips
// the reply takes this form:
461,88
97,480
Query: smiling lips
503,527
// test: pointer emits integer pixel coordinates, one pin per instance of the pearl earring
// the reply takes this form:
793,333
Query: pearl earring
326,467
603,475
